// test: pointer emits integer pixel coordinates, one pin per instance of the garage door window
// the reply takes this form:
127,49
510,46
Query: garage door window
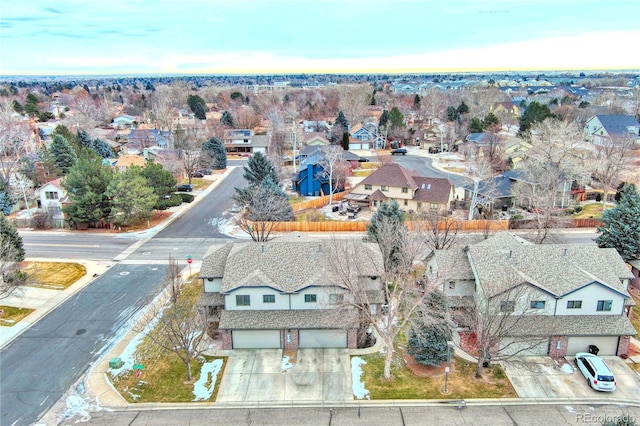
243,300
604,305
309,298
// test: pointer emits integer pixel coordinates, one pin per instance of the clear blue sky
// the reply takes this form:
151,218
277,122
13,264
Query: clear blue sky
279,36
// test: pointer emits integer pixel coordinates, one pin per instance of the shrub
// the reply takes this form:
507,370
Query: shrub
186,198
172,201
577,209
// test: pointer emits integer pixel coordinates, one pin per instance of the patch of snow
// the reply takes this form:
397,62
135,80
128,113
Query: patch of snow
286,365
567,368
356,374
204,387
128,354
569,409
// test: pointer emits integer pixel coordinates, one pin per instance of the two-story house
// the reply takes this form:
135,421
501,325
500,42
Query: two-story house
602,129
411,192
280,294
244,142
51,197
568,296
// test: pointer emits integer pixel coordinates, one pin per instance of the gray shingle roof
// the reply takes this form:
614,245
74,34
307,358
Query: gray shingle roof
285,264
617,124
573,325
556,268
211,299
279,319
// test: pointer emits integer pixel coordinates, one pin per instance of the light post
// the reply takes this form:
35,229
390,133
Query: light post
447,368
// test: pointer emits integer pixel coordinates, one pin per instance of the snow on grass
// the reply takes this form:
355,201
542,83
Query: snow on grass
128,354
356,373
286,365
204,387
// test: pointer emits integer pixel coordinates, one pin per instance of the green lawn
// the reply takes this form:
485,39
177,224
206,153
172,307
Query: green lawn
407,385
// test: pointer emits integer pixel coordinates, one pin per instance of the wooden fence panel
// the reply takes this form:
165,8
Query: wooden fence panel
317,202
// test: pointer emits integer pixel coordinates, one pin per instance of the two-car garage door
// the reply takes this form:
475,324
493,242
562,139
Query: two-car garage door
323,339
266,339
256,339
608,345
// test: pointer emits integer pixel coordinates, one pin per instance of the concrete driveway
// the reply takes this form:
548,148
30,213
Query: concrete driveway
257,375
540,377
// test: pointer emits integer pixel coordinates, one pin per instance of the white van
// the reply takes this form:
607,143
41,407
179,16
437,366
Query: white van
596,371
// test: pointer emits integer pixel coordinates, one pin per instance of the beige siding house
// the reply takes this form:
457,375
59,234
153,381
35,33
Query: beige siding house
412,193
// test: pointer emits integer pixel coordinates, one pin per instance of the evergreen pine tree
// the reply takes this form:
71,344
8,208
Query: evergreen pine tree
226,119
384,119
214,153
341,121
621,225
345,141
11,247
258,168
388,229
63,154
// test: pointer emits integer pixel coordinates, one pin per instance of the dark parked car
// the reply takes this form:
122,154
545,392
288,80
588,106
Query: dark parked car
402,151
185,187
197,174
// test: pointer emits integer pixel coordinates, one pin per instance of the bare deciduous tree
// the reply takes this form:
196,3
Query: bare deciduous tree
189,141
161,108
498,324
482,193
179,326
353,101
388,300
611,159
333,166
439,232
551,166
16,140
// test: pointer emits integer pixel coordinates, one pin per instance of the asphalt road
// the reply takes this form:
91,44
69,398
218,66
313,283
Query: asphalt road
73,245
41,364
211,212
374,415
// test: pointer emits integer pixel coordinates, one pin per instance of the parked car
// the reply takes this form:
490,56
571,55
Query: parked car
197,174
402,151
596,371
185,187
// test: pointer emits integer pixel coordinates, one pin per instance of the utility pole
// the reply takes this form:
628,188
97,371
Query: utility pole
295,143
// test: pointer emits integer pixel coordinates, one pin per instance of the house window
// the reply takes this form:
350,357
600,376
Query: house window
309,298
384,188
406,203
405,190
433,206
375,203
604,305
367,187
51,195
243,300
336,298
452,285
574,304
507,306
419,206
268,298
537,304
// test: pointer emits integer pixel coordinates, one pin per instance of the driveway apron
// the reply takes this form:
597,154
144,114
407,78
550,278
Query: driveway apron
257,375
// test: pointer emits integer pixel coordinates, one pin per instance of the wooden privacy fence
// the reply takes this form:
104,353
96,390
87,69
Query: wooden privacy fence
361,226
317,202
562,223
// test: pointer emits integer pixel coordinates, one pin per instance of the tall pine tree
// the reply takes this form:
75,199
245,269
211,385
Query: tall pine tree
214,153
64,157
621,225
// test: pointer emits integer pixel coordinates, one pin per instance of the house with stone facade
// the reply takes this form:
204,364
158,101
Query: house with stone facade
280,294
575,295
411,191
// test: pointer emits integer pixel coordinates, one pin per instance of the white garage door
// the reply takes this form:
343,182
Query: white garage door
256,339
323,339
608,345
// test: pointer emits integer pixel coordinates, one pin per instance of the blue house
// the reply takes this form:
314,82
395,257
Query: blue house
312,180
